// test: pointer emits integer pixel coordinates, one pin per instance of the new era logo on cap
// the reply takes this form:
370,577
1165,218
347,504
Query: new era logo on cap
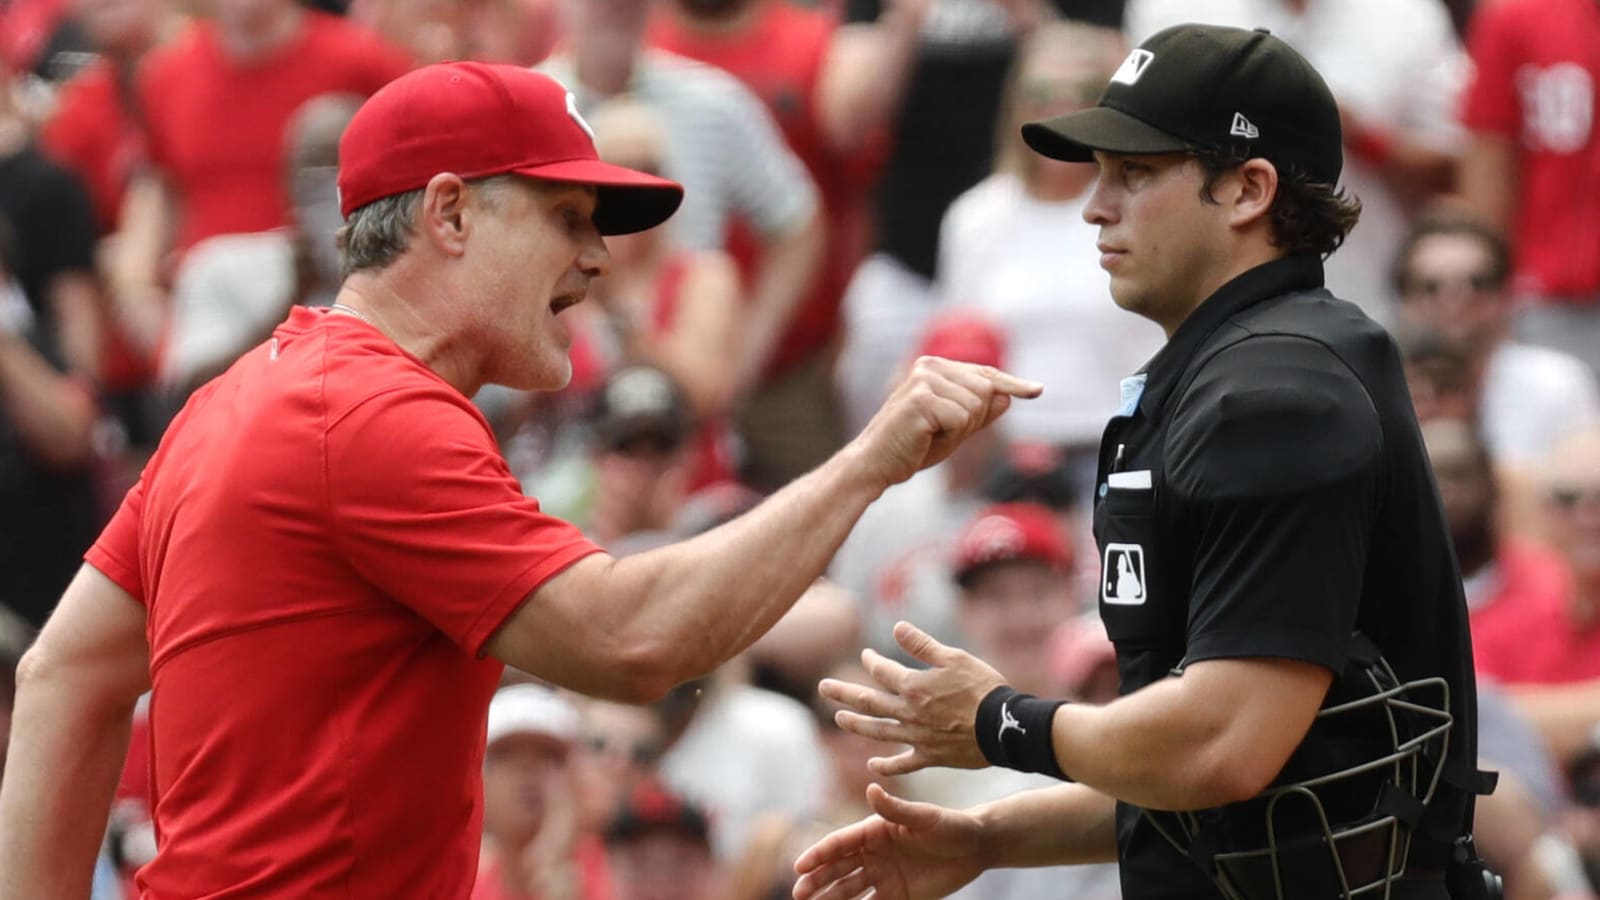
1133,67
1244,128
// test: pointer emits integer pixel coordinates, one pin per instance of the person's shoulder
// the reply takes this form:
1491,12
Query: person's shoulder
676,79
191,46
92,85
994,196
1511,16
1268,413
1539,370
766,715
365,374
801,24
335,39
46,179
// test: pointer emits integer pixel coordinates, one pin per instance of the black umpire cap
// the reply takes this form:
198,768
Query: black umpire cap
1205,87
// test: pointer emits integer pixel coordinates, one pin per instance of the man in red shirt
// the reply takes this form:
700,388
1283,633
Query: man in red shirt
320,560
216,103
1533,166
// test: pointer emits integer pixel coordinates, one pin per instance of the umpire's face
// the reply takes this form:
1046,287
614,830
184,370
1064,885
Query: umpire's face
1166,244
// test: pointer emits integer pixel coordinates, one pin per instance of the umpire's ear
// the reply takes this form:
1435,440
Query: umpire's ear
1249,192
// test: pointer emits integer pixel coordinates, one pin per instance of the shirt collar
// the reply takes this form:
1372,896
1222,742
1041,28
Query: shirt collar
1294,272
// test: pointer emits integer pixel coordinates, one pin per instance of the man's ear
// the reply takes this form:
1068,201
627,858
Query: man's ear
1257,188
442,220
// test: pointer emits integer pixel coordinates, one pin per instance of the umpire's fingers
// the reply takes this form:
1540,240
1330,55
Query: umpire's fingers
859,697
924,646
885,671
890,731
915,816
903,763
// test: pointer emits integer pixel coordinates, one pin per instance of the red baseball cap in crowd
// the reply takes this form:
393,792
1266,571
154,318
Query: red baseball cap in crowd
481,119
964,335
653,807
1009,532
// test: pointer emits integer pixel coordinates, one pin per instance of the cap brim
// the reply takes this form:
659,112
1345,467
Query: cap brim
629,200
1075,136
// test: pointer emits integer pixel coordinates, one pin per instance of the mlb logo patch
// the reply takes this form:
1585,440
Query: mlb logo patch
1133,67
1122,581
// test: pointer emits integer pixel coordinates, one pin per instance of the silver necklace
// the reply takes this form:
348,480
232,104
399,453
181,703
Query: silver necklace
352,311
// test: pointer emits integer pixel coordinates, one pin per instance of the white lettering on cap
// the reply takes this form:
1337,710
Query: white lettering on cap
1133,67
572,110
1244,128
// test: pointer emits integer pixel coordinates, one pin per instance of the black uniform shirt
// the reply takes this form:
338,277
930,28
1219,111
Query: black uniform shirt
1264,495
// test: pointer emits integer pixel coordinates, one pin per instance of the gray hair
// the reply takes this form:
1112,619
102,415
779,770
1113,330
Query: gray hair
376,234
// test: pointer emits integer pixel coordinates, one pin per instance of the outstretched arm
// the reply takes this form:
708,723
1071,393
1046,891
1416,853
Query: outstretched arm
909,851
633,627
69,736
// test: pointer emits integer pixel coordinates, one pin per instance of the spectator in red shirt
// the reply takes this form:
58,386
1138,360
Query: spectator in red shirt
726,149
659,846
327,563
1572,505
535,846
1533,165
806,73
521,32
1517,592
217,102
665,304
95,132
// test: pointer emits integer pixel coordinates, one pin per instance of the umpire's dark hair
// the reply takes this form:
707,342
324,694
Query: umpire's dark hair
1306,215
1453,222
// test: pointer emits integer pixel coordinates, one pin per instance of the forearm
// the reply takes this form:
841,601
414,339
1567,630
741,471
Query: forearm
133,263
65,756
1487,179
865,75
76,298
696,604
1149,748
1565,715
787,274
53,415
1065,824
1218,734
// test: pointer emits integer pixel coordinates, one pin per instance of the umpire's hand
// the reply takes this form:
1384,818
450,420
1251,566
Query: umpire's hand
932,710
939,404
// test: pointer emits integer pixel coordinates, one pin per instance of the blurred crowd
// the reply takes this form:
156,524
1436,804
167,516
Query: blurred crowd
857,195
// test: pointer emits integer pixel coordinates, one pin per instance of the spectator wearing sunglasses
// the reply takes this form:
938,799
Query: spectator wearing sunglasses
1572,508
1451,274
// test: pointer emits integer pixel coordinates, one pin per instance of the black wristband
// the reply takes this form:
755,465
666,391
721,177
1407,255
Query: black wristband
1014,731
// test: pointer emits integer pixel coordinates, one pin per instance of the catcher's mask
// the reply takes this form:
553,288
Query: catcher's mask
1338,821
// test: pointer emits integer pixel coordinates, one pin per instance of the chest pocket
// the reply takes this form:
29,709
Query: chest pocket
1138,604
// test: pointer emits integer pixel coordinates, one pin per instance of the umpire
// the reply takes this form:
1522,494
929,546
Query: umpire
1277,577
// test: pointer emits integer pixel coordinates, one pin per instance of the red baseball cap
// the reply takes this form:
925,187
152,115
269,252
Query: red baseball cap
481,119
1009,532
964,335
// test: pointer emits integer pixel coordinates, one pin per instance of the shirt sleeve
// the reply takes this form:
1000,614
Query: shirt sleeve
1491,103
862,10
1275,454
70,221
426,510
769,186
116,552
